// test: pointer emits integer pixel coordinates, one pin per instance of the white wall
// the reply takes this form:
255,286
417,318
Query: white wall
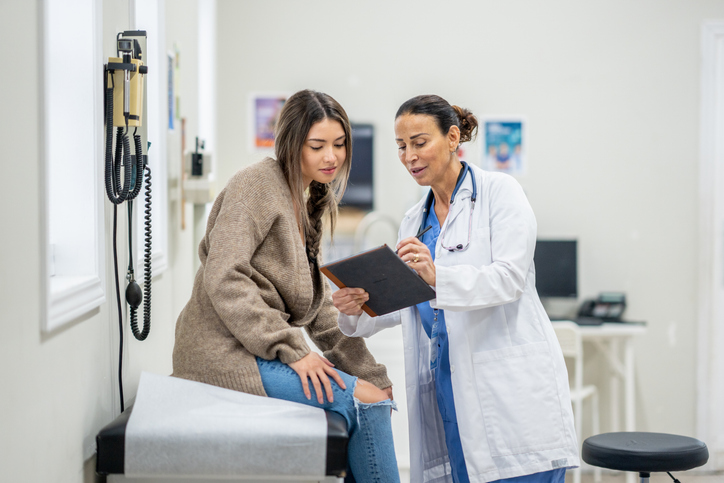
610,90
59,389
611,94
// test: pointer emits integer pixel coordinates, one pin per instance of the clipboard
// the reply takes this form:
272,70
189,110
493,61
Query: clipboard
391,284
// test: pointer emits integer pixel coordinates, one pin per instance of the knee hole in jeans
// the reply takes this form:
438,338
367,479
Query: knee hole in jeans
369,393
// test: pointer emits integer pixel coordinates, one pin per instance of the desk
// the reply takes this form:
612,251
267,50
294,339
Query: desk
608,339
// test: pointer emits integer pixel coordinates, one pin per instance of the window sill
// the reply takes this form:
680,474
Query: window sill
72,296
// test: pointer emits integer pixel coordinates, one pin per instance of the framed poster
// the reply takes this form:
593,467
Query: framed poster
504,144
170,73
265,109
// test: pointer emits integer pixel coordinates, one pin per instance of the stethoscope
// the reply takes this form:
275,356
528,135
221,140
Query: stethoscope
428,205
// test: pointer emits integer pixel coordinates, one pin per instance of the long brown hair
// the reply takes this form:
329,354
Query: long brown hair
300,112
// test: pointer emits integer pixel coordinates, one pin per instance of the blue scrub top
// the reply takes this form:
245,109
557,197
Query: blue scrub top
443,375
443,379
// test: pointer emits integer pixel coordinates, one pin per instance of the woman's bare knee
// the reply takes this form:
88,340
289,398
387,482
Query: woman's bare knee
369,393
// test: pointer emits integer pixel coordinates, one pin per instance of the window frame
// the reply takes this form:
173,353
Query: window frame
73,271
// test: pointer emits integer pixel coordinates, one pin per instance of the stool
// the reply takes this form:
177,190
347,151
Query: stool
644,453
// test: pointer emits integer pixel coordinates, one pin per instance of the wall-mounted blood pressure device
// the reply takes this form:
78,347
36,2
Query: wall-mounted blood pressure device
126,163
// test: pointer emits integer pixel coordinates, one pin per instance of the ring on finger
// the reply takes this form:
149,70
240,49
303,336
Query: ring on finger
416,259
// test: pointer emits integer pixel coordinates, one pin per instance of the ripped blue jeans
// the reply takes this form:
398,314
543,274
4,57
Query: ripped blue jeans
370,452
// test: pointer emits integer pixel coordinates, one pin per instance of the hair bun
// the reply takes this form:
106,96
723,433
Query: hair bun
468,124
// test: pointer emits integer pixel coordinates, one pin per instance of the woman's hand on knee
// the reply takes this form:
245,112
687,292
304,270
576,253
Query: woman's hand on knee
317,369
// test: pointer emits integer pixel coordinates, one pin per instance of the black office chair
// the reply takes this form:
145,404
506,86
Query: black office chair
644,453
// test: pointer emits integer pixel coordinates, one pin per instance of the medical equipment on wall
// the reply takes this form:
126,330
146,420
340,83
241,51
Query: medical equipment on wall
125,108
198,185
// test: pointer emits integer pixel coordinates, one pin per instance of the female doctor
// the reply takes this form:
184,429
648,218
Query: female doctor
487,387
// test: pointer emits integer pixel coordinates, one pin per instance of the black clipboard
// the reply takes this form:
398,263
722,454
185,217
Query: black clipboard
391,284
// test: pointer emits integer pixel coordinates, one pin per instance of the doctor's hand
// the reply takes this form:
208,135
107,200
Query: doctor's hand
418,257
349,300
317,369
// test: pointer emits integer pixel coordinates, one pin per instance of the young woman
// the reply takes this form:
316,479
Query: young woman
259,284
487,387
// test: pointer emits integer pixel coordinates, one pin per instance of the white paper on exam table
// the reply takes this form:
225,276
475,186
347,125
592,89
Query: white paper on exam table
185,428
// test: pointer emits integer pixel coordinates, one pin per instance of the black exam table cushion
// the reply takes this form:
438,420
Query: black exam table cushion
111,445
644,452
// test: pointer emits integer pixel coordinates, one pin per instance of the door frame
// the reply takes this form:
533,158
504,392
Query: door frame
710,360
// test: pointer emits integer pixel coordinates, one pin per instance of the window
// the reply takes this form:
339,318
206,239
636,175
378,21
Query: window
72,211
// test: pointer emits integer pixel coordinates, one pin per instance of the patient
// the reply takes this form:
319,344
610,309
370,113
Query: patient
259,284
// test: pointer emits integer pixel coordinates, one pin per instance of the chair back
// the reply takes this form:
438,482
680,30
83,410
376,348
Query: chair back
569,338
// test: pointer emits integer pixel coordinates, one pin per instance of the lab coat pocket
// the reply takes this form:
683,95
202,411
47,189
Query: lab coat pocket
518,396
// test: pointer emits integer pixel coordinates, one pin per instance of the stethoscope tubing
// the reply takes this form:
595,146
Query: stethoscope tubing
428,205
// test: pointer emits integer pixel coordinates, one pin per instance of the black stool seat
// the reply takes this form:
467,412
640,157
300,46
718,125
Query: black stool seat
644,452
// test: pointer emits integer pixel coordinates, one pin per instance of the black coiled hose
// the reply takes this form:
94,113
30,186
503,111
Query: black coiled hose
147,264
140,165
116,192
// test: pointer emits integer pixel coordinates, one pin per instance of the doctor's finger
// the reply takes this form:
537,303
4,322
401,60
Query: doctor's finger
407,241
351,309
351,305
413,247
356,297
343,298
348,291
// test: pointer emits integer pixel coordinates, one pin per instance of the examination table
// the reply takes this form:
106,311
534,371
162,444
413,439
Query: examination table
181,430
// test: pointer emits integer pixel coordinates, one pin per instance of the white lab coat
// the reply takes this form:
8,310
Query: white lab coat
509,378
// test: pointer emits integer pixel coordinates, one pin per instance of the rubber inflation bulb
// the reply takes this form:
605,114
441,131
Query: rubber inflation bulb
134,294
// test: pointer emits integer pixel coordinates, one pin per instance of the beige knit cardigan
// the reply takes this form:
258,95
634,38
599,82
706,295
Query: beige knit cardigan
255,291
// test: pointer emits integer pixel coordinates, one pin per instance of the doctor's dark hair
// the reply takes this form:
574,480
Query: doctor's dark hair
445,115
300,112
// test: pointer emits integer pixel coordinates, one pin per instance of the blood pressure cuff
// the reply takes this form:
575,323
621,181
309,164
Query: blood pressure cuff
185,428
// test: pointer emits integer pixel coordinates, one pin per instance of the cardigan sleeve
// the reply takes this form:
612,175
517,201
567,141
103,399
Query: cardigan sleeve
348,354
235,296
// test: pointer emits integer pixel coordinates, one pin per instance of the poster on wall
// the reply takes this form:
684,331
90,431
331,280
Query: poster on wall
265,109
170,66
504,144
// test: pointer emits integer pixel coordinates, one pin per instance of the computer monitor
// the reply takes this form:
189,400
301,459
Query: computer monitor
360,187
556,268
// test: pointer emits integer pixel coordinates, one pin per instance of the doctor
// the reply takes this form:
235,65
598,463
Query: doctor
487,387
